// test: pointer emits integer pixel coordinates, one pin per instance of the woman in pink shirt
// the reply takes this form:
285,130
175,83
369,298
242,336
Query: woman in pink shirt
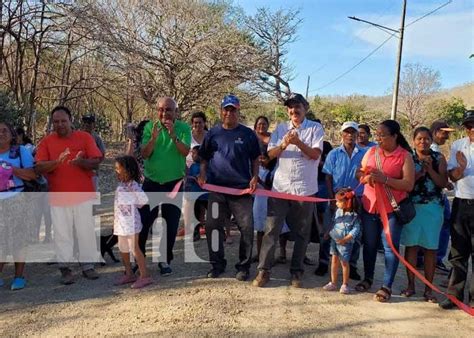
398,174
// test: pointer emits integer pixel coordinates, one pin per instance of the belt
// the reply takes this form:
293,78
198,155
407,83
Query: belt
466,201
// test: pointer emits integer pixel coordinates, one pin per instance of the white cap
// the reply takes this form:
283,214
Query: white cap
349,124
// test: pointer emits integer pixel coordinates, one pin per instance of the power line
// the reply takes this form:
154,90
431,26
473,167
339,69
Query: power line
378,47
429,13
356,65
388,8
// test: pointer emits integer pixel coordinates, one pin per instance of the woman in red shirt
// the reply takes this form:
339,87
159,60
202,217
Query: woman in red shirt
398,174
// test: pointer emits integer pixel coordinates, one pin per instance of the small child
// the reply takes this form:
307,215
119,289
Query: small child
345,230
129,196
200,204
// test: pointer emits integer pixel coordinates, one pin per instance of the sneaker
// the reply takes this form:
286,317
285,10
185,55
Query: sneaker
345,289
90,274
66,276
330,287
18,283
321,270
263,277
214,273
353,274
242,276
165,269
296,279
442,269
124,279
447,304
142,282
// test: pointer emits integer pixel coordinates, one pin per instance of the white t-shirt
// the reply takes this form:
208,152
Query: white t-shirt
463,188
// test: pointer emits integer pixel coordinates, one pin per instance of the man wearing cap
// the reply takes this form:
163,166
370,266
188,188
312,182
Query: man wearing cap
165,145
461,172
229,158
340,168
440,131
297,145
88,125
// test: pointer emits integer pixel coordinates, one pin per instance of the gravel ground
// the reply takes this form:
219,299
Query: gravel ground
187,303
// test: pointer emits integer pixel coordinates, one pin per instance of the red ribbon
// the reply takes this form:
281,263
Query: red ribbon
381,198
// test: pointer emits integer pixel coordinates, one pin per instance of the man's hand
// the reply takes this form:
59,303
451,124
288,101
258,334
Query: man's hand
201,179
79,157
63,156
156,131
253,184
292,137
461,159
169,125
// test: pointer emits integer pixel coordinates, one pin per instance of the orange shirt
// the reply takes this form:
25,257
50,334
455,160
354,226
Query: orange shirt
68,177
392,166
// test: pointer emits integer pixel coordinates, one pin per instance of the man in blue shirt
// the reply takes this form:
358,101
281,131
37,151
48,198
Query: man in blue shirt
229,157
340,168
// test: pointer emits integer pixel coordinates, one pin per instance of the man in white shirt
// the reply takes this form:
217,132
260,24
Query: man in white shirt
461,172
297,144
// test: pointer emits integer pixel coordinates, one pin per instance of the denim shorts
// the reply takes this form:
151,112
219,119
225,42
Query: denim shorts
342,251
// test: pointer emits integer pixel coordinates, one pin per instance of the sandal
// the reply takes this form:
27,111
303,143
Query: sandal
364,286
430,298
407,293
383,295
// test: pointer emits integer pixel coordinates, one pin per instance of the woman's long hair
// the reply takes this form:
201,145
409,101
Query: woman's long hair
394,129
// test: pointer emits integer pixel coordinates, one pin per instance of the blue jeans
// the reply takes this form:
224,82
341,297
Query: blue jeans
371,235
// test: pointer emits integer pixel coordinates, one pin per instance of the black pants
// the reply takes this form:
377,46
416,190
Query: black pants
170,212
217,217
462,246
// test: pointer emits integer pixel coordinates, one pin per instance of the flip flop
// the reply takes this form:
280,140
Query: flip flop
363,286
407,293
430,298
383,295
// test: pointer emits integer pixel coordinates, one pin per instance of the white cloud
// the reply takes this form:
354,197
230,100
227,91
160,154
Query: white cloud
436,36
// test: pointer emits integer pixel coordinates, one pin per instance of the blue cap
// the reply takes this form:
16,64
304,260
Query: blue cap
230,100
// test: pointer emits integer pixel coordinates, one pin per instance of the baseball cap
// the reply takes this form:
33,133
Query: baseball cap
88,118
468,116
440,125
349,124
230,100
295,98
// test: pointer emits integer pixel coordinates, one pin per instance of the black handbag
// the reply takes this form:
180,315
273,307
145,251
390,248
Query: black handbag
405,210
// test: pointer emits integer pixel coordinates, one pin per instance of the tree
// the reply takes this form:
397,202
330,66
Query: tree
273,32
190,50
417,85
451,110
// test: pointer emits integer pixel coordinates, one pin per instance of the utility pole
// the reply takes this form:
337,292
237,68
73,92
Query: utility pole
396,85
307,88
400,31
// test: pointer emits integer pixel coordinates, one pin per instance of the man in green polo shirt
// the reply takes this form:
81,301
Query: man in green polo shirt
165,144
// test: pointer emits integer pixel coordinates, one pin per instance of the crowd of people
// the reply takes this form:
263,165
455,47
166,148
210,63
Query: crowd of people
360,182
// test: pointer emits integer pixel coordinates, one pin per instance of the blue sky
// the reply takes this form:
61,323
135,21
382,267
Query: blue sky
329,43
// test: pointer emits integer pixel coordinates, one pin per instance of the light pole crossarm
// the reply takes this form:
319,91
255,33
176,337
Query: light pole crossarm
374,24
